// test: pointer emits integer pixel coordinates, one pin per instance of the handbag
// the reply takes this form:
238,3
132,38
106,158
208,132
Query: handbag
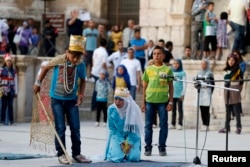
18,36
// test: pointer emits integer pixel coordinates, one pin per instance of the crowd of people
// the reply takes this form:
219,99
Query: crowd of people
138,67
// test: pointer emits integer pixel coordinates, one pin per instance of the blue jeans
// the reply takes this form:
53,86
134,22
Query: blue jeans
7,108
62,108
133,91
239,43
151,108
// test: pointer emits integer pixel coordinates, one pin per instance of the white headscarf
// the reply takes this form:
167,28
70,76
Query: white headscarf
131,111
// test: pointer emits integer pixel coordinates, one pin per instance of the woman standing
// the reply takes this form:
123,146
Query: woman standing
205,93
8,87
232,98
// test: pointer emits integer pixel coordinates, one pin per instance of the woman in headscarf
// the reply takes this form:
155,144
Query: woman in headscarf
121,80
205,75
125,127
233,98
179,92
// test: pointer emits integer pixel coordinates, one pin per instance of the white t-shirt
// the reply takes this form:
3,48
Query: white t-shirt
133,66
116,58
237,11
100,56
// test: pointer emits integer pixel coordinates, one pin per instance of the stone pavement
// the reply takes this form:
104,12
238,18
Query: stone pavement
15,139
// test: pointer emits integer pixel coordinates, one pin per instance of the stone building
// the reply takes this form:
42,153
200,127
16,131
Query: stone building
167,19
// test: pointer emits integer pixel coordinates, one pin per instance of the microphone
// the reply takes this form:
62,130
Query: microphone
166,76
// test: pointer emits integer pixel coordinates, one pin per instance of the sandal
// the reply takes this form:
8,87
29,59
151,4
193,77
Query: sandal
81,159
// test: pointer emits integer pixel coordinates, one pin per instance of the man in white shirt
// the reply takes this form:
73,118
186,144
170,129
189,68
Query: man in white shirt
117,57
237,11
134,70
99,61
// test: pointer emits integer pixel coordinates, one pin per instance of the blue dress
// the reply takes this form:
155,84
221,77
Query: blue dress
117,136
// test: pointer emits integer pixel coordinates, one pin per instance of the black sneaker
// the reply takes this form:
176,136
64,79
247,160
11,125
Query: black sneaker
162,151
148,151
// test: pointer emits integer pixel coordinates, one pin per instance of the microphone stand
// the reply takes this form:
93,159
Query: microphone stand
198,85
228,113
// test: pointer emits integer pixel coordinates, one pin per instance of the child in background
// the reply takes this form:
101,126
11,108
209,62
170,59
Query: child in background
121,80
8,80
102,88
222,41
210,32
35,42
179,92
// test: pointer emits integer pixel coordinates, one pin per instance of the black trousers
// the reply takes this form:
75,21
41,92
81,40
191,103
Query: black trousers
101,106
7,105
179,103
235,108
205,115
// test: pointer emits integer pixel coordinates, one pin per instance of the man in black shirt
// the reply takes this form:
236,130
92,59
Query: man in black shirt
74,24
50,33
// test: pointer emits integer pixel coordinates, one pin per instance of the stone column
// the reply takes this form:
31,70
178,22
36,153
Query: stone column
24,95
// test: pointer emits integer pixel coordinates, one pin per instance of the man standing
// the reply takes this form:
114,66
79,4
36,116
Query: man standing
157,96
117,56
134,70
91,34
100,56
237,11
139,44
74,24
128,34
198,12
50,33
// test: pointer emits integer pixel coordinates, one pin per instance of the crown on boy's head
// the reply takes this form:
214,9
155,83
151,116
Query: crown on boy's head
76,43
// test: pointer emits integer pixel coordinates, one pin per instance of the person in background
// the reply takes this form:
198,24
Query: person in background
237,10
134,70
157,96
168,52
197,12
232,98
102,88
187,53
122,79
116,57
222,40
125,128
25,34
149,50
115,36
50,34
100,56
243,67
11,33
128,34
8,89
74,24
35,40
91,34
139,45
210,24
179,93
206,92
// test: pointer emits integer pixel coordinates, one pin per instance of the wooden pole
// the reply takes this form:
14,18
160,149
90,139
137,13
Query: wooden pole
54,130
